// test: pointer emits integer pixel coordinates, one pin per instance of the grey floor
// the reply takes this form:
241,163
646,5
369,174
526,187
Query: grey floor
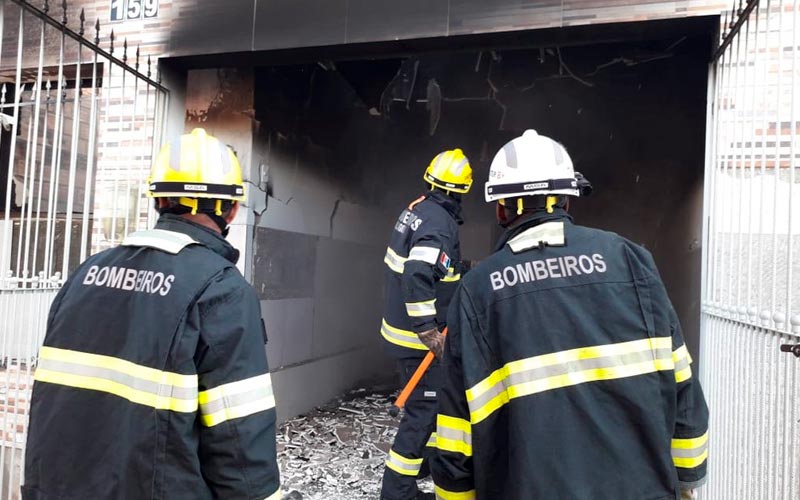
337,451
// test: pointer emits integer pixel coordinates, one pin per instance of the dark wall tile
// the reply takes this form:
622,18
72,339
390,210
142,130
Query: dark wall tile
299,23
284,264
371,20
213,28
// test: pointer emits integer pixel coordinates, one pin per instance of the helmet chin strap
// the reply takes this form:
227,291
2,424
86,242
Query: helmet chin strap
224,227
547,203
213,214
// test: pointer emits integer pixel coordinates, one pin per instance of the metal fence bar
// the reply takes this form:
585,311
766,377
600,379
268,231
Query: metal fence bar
793,436
34,149
90,160
773,304
55,162
73,163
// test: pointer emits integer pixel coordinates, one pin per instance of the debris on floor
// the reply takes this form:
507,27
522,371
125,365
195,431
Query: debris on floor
337,451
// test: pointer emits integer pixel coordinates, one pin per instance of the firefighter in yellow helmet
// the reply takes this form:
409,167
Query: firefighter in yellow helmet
423,268
153,379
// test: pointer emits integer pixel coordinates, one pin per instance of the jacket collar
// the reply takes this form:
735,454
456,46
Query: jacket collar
537,218
452,206
202,235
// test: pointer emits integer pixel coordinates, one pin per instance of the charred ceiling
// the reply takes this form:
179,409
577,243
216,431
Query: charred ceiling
508,88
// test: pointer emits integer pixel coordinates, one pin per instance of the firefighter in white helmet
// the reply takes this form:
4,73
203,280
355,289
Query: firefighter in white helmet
566,374
153,381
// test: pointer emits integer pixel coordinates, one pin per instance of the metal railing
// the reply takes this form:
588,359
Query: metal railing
79,124
751,300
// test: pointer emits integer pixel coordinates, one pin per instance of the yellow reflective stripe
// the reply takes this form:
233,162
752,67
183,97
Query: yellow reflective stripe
420,309
680,354
431,441
403,465
278,495
117,389
136,383
458,424
395,262
120,365
691,443
443,494
682,360
402,459
454,435
240,411
403,338
451,276
683,375
567,368
236,400
690,453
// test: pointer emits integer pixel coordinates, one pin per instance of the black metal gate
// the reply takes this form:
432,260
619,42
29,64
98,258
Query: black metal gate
80,118
751,297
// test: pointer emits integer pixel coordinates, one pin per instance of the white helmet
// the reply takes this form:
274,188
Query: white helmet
531,164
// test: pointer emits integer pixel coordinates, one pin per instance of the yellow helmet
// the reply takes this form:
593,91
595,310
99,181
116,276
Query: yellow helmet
194,166
450,171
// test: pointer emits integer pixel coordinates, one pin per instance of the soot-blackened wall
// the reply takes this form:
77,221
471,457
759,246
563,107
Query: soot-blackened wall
346,143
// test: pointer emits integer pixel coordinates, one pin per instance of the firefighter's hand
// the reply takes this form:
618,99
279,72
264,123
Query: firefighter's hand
433,340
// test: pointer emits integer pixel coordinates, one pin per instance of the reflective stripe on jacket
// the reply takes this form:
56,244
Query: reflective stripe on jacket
422,271
566,371
153,381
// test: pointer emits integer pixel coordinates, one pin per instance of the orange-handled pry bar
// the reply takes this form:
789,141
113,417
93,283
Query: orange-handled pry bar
412,382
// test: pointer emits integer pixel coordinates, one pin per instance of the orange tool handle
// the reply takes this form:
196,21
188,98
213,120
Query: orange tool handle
413,381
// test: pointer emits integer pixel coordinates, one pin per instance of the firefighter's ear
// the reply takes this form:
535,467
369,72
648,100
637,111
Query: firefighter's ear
232,212
502,215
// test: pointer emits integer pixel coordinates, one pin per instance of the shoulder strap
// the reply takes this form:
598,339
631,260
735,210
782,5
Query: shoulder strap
549,233
416,202
168,241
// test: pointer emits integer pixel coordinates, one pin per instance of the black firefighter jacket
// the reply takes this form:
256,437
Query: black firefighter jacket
422,272
153,379
566,375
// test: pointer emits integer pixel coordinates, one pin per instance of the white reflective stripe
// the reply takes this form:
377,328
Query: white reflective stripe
420,309
451,276
236,400
168,241
453,435
403,465
431,441
136,383
425,254
689,453
551,233
562,369
683,362
278,495
395,262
